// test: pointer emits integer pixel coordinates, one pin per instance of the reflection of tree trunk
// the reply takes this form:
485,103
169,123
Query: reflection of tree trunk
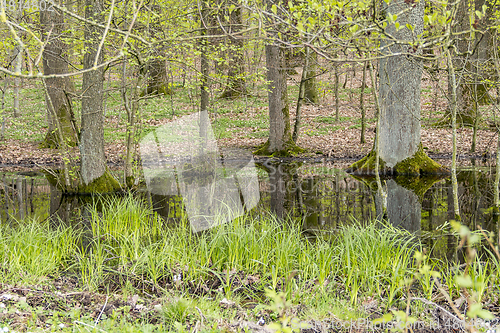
20,197
167,206
311,202
380,205
55,200
278,193
6,198
432,212
62,207
281,196
403,207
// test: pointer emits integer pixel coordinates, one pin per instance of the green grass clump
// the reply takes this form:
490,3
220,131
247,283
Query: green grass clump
128,237
122,246
375,261
30,251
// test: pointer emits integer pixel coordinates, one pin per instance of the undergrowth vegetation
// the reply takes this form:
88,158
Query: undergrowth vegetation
123,247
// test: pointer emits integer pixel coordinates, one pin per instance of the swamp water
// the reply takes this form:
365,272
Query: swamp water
321,196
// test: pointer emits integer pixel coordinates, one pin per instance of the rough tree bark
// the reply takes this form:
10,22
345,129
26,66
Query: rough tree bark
311,90
401,151
157,78
280,135
236,73
471,63
95,176
55,61
280,142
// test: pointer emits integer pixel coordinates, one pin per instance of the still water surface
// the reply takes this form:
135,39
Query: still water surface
322,196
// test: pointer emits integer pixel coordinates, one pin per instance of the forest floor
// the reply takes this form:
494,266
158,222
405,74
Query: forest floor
255,275
244,123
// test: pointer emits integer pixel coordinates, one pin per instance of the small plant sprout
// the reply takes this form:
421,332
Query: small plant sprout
280,306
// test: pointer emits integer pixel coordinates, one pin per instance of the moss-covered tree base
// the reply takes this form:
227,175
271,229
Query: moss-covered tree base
291,149
50,141
160,89
104,184
418,165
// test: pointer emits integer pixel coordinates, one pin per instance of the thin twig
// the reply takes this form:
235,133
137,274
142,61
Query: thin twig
84,324
448,299
439,307
201,315
102,310
108,24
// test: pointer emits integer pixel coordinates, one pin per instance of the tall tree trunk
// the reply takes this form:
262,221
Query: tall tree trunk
2,105
401,151
236,73
300,100
279,113
131,104
157,77
362,105
472,58
280,135
205,67
18,58
454,181
399,91
337,87
55,61
311,89
94,174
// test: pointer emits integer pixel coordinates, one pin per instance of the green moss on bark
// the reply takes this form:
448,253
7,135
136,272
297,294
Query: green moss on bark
417,165
104,184
291,149
51,139
129,181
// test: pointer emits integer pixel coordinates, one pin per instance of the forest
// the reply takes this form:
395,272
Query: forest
249,166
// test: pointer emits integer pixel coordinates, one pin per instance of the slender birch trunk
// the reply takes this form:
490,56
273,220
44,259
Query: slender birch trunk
454,183
362,105
300,100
